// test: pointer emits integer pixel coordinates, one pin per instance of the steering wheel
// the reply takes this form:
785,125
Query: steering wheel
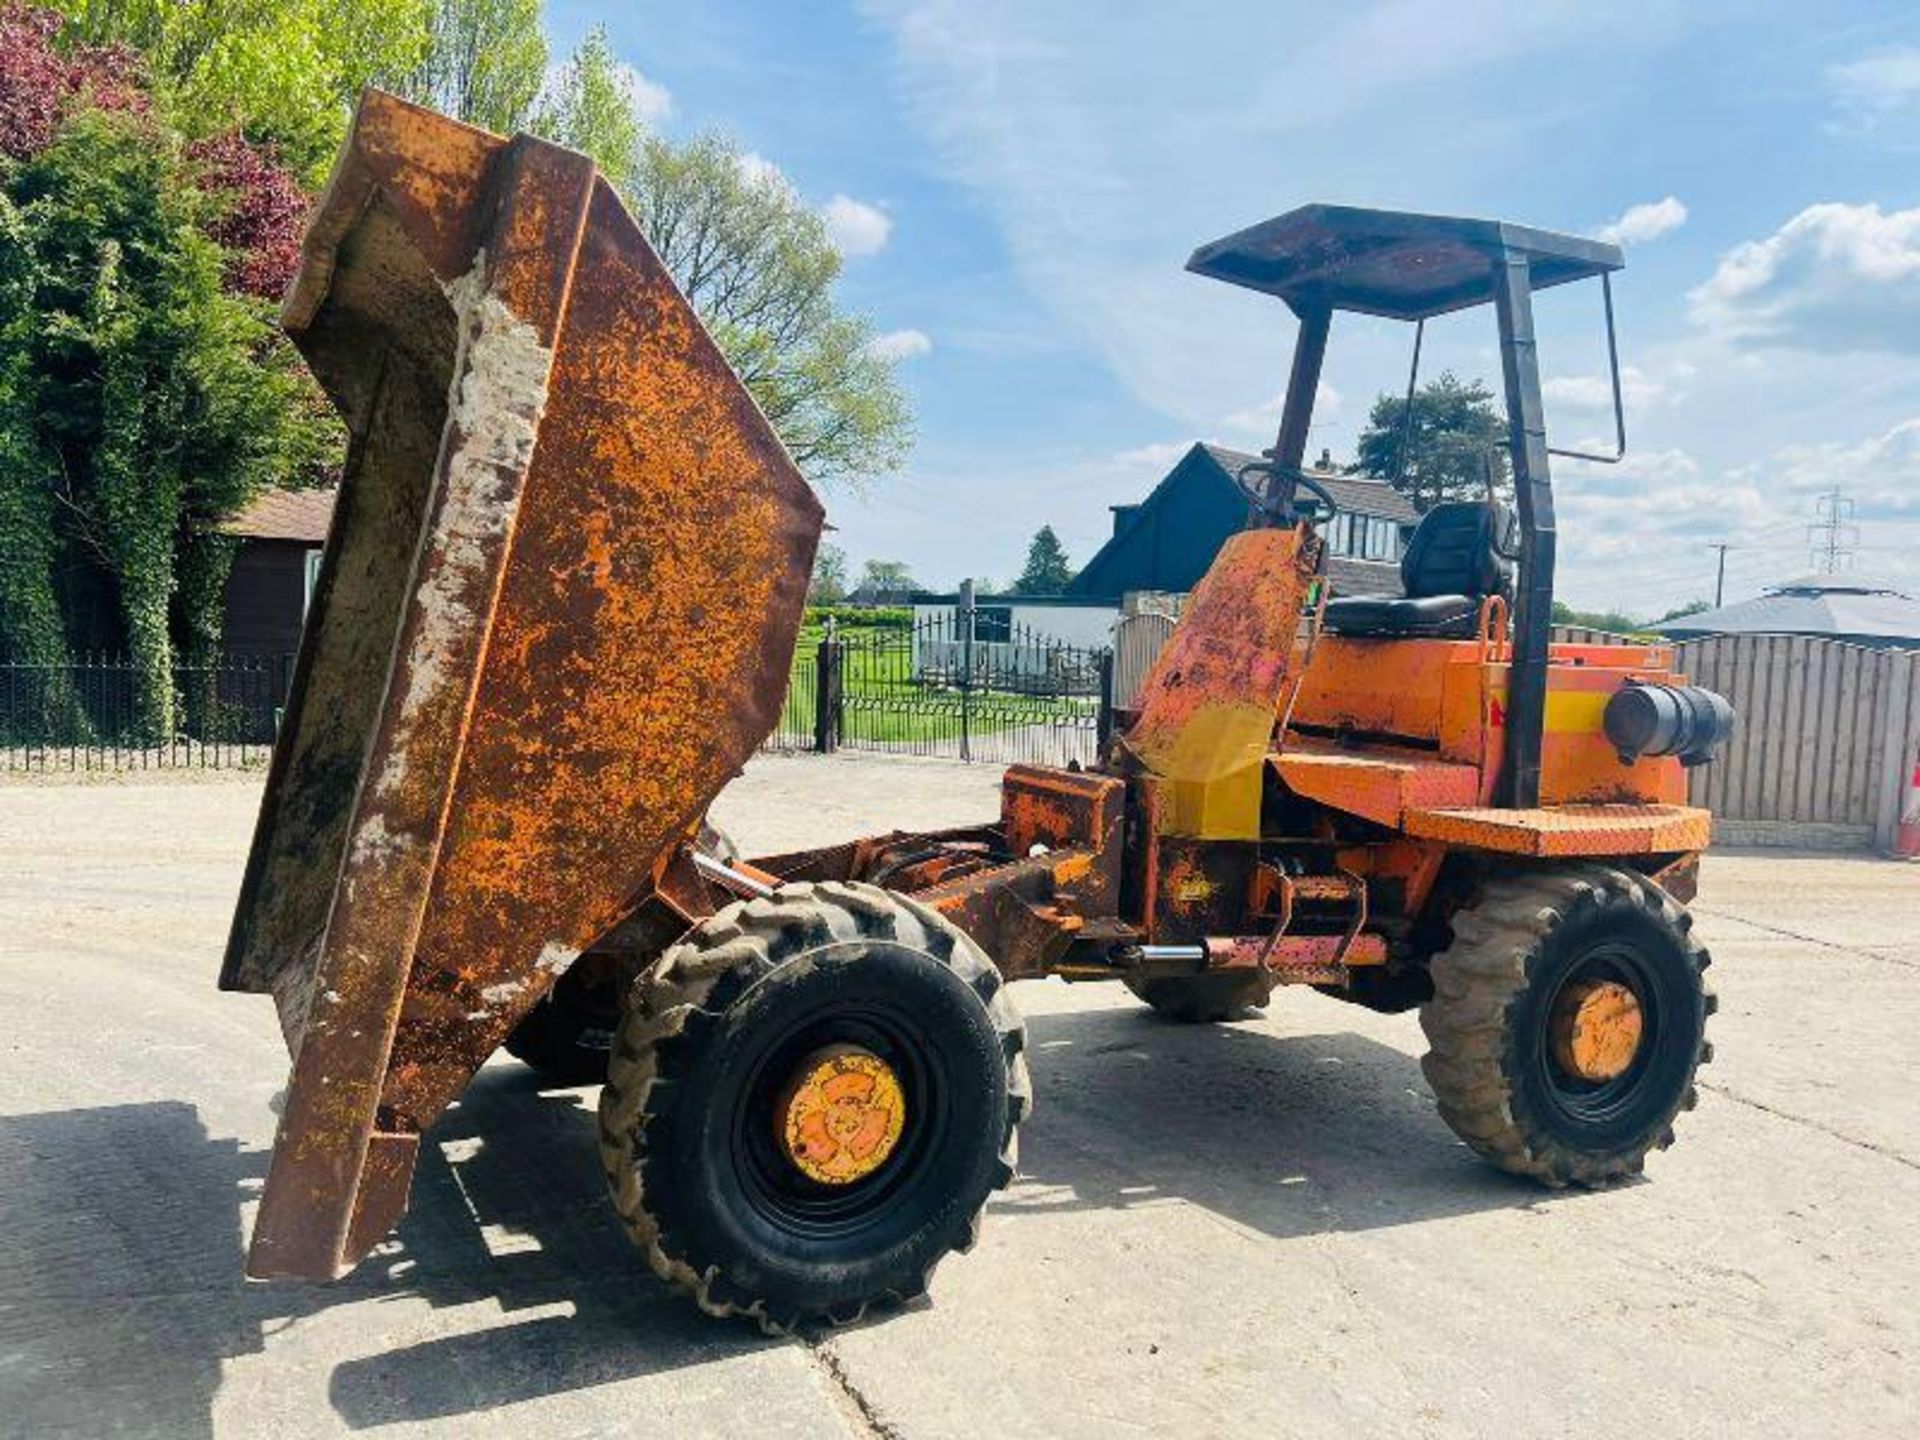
1323,510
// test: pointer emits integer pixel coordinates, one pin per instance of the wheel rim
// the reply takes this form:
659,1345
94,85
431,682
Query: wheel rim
839,1193
1601,1032
841,1115
1595,1029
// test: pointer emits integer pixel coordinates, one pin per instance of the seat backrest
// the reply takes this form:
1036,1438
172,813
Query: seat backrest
1455,550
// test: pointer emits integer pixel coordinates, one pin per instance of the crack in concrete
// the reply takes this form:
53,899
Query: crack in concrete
1808,939
853,1403
1881,1150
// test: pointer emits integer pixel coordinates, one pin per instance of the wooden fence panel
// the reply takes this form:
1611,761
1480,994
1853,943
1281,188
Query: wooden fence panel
1821,723
1900,747
1587,635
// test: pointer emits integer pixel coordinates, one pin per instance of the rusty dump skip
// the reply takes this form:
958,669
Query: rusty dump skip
555,616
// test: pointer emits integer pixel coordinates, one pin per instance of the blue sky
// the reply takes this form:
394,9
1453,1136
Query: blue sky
1017,186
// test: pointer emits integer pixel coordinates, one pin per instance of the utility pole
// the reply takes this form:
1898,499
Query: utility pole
1720,575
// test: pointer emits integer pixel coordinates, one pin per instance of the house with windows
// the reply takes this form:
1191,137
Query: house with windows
1159,549
1166,541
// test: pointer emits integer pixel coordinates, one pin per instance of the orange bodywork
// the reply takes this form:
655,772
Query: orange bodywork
1563,831
1387,728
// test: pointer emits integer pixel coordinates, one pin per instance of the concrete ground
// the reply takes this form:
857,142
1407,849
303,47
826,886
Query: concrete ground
1254,1229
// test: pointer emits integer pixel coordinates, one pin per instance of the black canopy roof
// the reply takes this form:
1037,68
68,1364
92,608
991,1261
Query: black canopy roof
1394,263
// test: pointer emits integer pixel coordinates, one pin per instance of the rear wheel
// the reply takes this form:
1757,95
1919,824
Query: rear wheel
1567,1021
810,1099
1205,999
568,1033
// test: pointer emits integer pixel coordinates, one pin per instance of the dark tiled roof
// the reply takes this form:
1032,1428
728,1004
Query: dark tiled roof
285,515
1350,492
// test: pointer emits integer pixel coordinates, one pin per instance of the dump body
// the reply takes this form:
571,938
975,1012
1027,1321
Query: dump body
555,615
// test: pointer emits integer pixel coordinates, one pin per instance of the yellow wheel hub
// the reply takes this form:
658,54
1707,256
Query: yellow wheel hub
1596,1030
842,1115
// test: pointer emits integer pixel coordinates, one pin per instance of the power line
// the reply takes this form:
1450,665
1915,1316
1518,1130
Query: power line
1834,535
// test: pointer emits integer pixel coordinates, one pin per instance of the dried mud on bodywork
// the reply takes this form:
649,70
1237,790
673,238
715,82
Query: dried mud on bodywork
555,615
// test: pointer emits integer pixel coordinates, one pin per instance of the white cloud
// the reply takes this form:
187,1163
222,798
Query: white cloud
651,100
1876,88
1264,419
1638,224
1836,277
1880,473
758,170
855,227
1595,392
1158,456
900,345
1637,537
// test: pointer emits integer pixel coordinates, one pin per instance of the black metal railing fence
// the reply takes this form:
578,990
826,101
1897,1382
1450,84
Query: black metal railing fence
99,712
948,685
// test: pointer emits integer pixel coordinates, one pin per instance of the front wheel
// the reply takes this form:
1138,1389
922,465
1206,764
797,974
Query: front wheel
1567,1021
810,1099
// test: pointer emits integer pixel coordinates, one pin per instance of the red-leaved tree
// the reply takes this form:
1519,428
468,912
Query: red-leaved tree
258,206
261,210
38,83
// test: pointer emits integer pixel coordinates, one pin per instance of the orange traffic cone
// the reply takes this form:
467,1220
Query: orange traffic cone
1906,839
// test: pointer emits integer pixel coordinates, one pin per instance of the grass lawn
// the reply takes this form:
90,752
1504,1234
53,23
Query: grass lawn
882,703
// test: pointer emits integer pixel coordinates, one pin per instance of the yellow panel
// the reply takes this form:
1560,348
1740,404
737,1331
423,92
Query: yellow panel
1209,705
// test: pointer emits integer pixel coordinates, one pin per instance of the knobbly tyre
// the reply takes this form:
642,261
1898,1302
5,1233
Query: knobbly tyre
556,615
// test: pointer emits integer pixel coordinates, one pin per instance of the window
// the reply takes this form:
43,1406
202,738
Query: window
1364,537
1380,537
313,581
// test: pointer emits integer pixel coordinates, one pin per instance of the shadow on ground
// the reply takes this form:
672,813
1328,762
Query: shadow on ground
1288,1134
120,1288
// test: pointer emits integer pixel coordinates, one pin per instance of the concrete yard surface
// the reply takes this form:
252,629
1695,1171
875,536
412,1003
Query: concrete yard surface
1256,1229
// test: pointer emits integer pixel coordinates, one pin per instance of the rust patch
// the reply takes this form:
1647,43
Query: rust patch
610,559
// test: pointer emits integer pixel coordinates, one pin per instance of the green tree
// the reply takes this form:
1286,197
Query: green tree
1457,432
1048,571
749,252
758,266
145,402
829,584
1692,607
486,62
284,71
1610,620
883,579
592,109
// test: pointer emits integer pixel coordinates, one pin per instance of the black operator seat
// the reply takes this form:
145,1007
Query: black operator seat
1453,562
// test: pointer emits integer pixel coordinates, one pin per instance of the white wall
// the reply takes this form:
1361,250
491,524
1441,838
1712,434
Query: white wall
1083,625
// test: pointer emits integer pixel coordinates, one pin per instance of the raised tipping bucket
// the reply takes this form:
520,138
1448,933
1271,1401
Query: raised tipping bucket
555,616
